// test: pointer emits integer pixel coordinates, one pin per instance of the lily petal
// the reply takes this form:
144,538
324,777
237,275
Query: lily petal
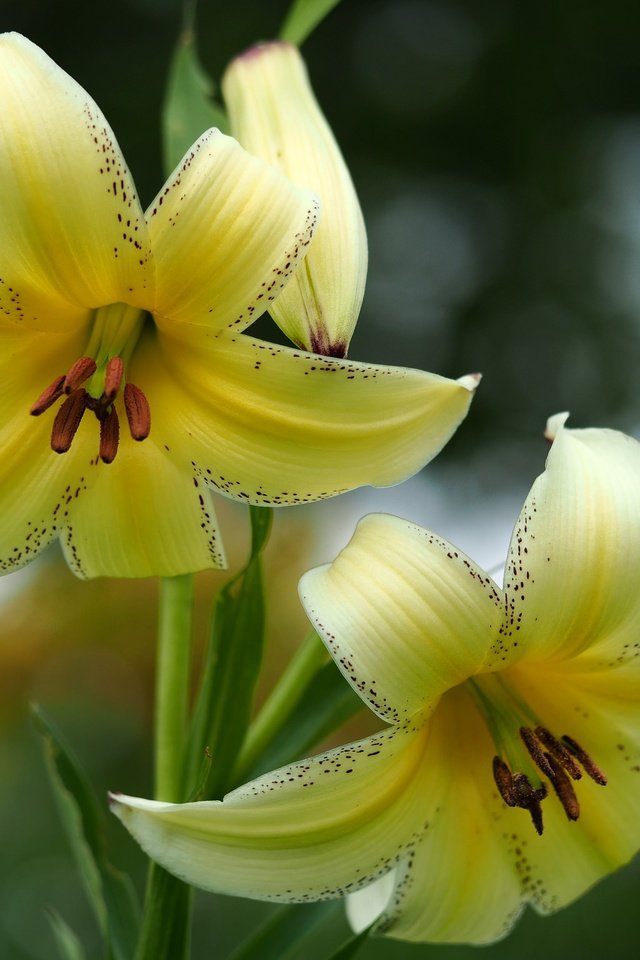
460,884
72,232
142,517
572,572
272,425
275,115
227,231
405,615
312,830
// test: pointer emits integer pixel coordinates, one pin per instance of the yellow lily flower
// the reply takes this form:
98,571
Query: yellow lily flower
274,115
137,317
495,698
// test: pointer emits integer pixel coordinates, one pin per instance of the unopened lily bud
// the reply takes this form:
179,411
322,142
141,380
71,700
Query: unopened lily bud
275,116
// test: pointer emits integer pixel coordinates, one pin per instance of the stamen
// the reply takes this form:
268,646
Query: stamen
535,750
109,436
559,752
81,370
138,413
583,757
67,420
113,377
564,789
48,397
504,781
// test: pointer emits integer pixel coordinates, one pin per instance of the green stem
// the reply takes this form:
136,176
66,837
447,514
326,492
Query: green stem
165,933
172,684
310,656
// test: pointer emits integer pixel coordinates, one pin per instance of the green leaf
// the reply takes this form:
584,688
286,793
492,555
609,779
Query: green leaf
232,667
282,935
69,946
351,946
189,108
110,892
165,933
303,17
327,703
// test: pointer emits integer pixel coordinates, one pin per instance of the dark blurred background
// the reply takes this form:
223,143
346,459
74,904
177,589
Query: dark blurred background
496,150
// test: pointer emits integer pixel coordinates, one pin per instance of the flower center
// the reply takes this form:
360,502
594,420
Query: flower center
94,381
526,749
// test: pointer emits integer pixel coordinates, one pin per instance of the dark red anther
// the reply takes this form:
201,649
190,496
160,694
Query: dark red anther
78,372
48,397
67,420
113,377
560,752
138,413
583,757
564,789
536,752
109,436
504,781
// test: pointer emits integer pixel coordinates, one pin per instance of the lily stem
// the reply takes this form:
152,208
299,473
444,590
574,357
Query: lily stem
166,922
310,656
172,684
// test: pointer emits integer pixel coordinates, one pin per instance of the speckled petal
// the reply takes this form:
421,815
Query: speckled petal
460,884
405,614
312,830
38,488
143,517
271,425
72,233
571,581
227,232
275,115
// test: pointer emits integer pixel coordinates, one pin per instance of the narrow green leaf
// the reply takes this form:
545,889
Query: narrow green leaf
189,107
68,944
303,17
282,935
351,946
327,703
232,666
110,892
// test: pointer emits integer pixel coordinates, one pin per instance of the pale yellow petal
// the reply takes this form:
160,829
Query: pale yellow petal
405,614
227,231
275,115
572,575
144,516
271,425
312,830
460,884
72,233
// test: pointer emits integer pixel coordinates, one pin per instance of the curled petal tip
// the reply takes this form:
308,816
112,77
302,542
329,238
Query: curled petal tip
554,425
471,381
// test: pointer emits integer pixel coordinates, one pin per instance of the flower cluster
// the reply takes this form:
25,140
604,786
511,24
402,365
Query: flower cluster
511,739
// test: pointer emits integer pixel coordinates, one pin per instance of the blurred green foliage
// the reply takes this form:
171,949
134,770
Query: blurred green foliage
496,149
